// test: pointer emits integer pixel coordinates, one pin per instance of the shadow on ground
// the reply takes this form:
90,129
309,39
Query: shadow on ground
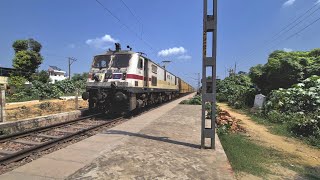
155,138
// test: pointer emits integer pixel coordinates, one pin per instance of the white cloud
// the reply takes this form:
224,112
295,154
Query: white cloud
318,2
288,3
184,57
287,49
101,43
72,46
172,51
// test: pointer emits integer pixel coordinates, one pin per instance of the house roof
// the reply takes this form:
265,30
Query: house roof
54,68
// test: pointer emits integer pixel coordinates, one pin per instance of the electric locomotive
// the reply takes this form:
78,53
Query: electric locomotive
123,80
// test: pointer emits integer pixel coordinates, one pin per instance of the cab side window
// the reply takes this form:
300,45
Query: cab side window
154,69
140,63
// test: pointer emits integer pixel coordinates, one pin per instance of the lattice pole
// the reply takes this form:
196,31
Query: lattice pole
209,63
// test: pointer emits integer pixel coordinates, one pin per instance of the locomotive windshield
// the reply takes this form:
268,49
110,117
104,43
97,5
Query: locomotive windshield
101,61
121,60
117,61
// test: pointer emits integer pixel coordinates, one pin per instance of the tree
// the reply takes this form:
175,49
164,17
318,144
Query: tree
17,82
80,80
315,53
27,56
237,90
284,69
42,76
20,45
80,77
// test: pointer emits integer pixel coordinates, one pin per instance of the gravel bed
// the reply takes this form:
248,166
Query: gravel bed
35,139
78,127
54,133
12,146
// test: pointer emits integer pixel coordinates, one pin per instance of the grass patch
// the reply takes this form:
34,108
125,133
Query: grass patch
275,128
307,172
281,129
246,156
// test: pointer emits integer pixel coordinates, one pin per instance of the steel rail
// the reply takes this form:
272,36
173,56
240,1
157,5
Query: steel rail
44,146
40,129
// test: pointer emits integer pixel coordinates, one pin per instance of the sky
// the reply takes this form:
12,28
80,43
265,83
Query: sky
162,29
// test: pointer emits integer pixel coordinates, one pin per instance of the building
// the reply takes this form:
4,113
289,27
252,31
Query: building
4,76
56,74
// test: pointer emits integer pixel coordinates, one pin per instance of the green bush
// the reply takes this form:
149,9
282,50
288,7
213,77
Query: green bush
301,98
196,100
305,125
66,86
45,90
299,106
236,90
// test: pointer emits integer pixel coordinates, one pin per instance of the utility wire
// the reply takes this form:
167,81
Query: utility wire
285,29
281,31
301,30
295,23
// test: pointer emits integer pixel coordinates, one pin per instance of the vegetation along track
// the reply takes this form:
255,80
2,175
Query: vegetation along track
17,146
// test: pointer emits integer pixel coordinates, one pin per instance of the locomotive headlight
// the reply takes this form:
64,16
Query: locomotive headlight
85,95
90,76
124,76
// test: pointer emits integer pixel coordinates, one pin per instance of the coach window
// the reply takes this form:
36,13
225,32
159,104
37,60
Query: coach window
140,63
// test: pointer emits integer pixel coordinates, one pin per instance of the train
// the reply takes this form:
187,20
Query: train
122,81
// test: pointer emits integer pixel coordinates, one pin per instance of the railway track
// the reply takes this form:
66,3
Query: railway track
20,145
17,146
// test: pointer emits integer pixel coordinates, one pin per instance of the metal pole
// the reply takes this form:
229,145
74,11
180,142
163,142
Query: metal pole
77,100
214,72
204,76
198,81
2,106
209,96
69,63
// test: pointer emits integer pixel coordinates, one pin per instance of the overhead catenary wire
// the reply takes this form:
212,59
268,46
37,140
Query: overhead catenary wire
134,15
126,26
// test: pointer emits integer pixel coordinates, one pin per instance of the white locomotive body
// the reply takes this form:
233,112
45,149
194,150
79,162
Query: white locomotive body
121,81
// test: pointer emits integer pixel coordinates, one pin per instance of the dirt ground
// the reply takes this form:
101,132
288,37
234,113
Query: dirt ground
34,109
296,151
